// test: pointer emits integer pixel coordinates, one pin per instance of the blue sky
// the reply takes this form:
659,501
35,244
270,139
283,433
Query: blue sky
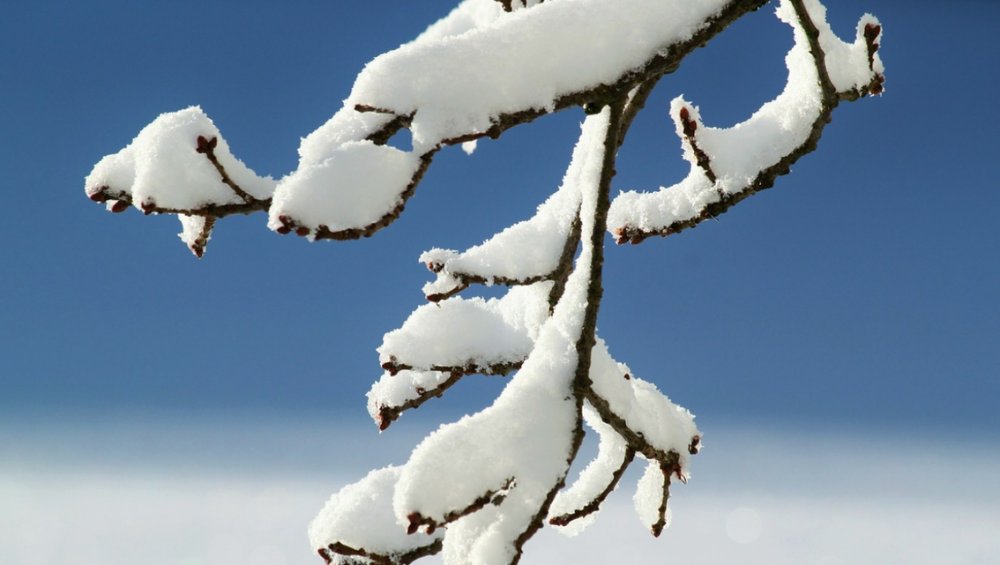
861,290
856,299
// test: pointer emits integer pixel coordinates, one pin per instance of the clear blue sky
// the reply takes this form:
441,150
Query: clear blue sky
861,290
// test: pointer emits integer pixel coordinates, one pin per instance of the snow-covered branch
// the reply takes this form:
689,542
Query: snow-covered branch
478,489
350,183
728,165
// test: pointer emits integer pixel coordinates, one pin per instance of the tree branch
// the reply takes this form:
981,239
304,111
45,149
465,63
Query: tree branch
665,61
383,558
595,504
489,497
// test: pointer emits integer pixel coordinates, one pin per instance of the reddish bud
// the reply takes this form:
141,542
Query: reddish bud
414,524
872,32
302,231
206,145
284,230
148,206
689,125
98,195
119,206
382,420
695,446
391,367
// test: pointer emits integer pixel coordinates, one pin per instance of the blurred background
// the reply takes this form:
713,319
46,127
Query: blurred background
836,336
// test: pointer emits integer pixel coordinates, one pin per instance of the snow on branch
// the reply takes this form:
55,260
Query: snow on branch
731,164
357,525
350,184
179,164
468,335
598,480
478,489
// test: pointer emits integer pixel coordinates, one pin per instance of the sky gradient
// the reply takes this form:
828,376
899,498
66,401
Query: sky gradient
862,288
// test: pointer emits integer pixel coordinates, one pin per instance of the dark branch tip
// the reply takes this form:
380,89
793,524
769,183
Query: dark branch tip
98,195
205,145
695,446
689,125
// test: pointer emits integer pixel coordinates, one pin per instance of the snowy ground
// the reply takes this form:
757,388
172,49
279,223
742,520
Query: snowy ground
217,492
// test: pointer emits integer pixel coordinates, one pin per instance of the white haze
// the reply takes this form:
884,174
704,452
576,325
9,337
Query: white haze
205,491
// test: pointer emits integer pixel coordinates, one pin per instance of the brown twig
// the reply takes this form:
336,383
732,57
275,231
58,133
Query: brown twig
661,511
595,504
416,520
383,558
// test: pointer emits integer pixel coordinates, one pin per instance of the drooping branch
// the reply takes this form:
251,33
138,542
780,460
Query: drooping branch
595,503
386,405
207,148
652,496
635,439
829,96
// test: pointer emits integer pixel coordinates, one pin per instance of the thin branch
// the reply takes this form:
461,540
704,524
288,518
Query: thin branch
661,511
465,280
634,439
416,520
595,504
207,148
636,102
384,558
689,128
387,414
393,366
561,275
201,242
